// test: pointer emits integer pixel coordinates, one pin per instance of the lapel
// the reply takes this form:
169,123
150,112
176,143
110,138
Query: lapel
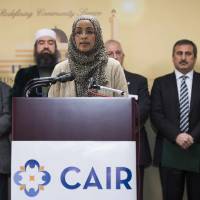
195,91
172,86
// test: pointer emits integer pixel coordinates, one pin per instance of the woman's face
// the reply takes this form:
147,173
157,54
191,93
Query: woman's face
84,35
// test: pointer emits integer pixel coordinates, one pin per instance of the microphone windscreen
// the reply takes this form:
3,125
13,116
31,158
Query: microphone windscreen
63,76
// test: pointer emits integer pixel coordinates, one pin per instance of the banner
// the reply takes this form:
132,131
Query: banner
21,19
73,170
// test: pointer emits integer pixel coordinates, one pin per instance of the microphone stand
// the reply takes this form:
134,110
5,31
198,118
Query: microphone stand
99,87
37,83
47,81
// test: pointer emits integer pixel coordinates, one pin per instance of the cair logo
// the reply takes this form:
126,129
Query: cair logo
122,178
31,178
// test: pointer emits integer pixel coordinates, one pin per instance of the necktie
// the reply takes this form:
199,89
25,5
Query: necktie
184,106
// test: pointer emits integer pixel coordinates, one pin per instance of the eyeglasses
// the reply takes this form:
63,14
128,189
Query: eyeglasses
84,32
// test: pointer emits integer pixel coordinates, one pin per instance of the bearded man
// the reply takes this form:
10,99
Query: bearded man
46,56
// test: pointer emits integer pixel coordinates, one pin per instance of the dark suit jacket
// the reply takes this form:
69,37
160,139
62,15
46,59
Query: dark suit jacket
165,111
138,85
21,79
5,128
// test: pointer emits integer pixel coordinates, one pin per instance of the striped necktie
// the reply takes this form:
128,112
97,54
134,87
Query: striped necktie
184,106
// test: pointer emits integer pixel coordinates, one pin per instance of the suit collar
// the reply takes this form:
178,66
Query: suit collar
172,86
195,90
179,74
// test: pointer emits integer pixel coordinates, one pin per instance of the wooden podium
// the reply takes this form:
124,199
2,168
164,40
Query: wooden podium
74,119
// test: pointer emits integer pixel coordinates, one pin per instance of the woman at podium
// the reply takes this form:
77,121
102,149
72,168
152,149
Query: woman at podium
89,63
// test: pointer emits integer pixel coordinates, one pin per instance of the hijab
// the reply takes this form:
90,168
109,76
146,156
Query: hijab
87,64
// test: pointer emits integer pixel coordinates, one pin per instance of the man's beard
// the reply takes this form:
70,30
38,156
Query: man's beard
46,60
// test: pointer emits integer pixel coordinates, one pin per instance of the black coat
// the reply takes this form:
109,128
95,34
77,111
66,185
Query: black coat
165,111
138,86
5,128
22,77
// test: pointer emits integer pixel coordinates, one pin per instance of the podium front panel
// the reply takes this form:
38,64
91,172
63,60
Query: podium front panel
93,119
76,148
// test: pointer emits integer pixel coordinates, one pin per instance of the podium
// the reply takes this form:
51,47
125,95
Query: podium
76,148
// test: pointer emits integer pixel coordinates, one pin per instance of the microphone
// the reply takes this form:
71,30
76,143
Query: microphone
93,85
47,81
63,77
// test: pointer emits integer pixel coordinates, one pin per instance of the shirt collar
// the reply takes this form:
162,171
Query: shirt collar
178,74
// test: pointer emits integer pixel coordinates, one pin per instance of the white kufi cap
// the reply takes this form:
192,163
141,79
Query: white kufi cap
45,32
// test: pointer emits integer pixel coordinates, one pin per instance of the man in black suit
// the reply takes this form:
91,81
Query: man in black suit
5,149
137,85
46,57
175,113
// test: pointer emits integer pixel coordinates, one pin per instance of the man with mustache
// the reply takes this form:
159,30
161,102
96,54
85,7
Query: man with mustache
46,57
175,113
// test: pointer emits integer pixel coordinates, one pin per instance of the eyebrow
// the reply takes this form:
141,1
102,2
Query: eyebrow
45,40
180,51
89,27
